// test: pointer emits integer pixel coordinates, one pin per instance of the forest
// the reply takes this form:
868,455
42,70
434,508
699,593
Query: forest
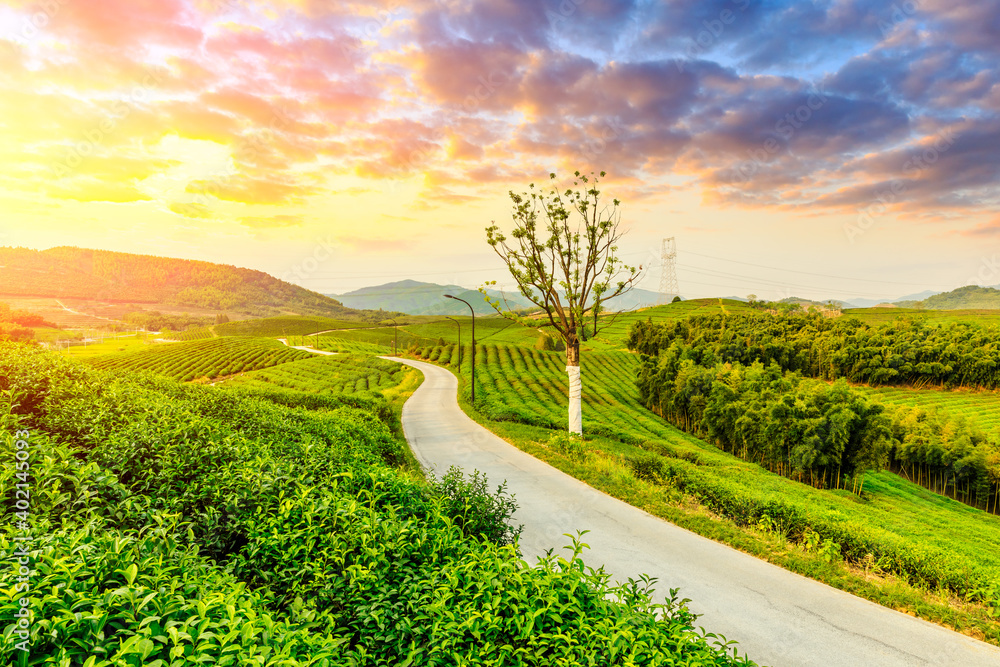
738,381
906,351
15,325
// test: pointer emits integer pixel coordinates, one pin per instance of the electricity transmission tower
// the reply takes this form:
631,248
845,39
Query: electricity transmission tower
668,275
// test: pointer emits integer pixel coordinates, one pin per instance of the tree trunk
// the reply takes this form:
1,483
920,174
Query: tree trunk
575,386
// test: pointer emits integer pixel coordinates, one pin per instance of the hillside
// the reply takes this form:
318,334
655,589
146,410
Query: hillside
419,298
968,297
69,272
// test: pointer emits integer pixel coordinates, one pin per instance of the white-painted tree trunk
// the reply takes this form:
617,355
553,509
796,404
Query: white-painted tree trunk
575,400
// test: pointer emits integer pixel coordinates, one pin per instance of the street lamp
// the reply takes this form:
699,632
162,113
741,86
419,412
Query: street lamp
458,324
395,334
472,363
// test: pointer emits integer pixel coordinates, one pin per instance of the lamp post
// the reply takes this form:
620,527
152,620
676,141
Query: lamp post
472,363
458,324
395,334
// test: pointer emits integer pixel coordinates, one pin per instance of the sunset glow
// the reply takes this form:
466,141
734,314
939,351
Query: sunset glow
341,144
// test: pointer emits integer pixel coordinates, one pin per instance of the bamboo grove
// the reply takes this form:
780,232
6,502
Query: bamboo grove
738,381
904,352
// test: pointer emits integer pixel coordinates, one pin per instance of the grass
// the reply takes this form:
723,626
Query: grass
521,394
341,374
202,359
605,468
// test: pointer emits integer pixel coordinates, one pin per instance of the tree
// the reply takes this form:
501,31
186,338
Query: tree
563,254
676,299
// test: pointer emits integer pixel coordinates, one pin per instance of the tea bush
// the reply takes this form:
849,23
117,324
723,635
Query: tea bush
177,525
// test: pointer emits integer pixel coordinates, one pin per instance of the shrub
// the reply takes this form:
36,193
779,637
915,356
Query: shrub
474,509
569,445
648,467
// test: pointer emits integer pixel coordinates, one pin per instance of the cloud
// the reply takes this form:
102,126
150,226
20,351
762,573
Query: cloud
248,190
92,190
192,210
479,97
272,221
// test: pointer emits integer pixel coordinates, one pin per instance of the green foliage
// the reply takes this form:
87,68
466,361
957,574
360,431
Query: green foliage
676,299
102,597
286,325
907,352
921,536
814,432
647,466
203,358
563,255
569,445
340,374
156,321
24,318
690,386
549,343
474,510
969,296
181,524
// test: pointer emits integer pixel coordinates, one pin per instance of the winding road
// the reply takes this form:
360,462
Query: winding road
778,617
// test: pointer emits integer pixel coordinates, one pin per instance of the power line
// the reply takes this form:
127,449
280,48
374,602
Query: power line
820,275
779,283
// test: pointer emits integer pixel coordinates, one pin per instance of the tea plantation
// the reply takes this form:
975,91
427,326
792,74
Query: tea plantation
176,524
340,374
203,358
926,539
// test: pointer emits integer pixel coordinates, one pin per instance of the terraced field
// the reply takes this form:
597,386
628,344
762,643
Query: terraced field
294,325
201,333
517,383
884,315
209,358
980,407
379,339
615,329
340,374
919,535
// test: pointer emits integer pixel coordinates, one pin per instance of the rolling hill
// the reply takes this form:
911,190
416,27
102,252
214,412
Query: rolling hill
101,275
418,298
968,297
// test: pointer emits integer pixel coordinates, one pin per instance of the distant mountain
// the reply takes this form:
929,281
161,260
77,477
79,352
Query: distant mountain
970,296
870,303
418,298
80,273
633,299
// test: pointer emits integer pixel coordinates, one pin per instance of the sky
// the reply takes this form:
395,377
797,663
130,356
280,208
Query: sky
826,149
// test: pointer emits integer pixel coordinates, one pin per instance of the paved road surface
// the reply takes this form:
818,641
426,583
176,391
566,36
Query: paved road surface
778,617
307,349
